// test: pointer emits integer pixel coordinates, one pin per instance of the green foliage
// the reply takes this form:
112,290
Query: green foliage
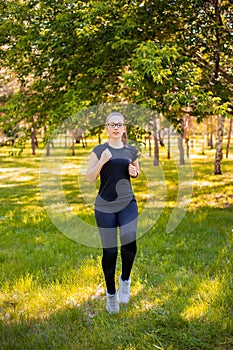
164,55
189,71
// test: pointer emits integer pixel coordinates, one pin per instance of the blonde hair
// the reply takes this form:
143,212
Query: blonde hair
118,114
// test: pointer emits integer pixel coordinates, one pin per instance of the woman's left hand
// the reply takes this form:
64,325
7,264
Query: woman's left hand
133,170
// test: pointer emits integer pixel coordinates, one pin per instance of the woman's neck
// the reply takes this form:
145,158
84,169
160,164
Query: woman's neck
116,143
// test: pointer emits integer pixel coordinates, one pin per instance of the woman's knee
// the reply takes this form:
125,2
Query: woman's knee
110,253
129,249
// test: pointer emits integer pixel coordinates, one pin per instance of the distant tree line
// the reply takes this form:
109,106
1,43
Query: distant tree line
172,57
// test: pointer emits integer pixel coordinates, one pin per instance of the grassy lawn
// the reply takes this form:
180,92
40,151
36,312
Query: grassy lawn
52,289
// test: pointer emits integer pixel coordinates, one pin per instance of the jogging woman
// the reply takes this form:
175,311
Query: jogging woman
115,206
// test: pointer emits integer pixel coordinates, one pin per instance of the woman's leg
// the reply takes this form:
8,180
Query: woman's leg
128,252
127,220
107,225
109,266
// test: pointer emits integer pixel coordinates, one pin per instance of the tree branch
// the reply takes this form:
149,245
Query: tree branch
221,71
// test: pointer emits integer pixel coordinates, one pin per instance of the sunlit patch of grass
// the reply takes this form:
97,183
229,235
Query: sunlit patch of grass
52,289
200,304
28,298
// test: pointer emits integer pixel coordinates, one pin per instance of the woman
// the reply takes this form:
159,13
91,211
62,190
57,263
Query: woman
115,206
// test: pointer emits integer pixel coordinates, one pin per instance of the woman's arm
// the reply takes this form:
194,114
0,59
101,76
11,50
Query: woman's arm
95,165
134,168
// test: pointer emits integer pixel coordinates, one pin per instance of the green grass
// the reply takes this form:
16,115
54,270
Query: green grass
52,289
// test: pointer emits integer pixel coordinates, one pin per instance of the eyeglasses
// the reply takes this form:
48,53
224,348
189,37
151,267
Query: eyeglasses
113,125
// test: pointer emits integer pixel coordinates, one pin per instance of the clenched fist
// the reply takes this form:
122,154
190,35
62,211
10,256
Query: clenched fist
133,170
105,156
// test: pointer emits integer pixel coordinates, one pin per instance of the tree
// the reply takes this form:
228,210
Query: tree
71,55
209,41
229,136
189,69
219,150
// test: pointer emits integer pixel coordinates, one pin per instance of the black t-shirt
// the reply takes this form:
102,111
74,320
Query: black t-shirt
115,191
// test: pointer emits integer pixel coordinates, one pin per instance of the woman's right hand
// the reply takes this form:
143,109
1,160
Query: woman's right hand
105,156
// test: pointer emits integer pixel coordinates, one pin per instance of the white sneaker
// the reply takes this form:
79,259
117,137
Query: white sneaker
124,291
112,304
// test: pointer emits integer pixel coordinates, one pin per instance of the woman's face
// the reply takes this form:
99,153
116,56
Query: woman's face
115,126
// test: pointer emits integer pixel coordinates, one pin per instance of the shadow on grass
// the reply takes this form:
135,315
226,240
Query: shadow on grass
181,290
181,296
143,324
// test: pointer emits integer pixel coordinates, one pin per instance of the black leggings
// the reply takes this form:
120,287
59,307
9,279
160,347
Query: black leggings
126,220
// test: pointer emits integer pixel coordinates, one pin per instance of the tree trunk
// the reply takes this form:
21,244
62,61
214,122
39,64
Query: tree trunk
210,143
169,143
161,137
204,140
181,149
218,154
187,147
210,133
148,137
73,145
48,149
33,141
229,138
156,143
84,141
186,131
